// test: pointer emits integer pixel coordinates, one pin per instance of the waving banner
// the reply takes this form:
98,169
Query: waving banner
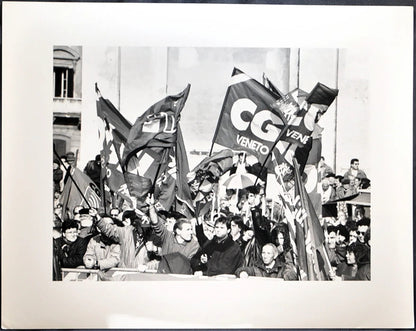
247,121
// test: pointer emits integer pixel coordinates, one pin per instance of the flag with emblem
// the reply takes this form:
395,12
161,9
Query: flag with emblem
79,190
302,116
248,122
155,152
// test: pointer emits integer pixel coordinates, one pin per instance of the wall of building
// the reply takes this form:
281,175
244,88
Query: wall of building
135,78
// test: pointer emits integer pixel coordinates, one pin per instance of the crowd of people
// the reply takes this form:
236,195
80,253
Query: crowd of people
247,236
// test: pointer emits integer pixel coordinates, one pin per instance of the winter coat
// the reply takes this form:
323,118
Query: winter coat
107,256
171,245
70,254
224,257
280,269
132,250
57,177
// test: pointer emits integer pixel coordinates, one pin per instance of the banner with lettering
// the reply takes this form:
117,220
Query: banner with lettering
248,121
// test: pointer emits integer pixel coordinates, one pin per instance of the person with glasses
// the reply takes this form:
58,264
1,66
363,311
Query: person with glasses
363,226
69,249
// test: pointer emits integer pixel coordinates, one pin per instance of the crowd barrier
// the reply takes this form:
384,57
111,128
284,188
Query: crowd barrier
128,274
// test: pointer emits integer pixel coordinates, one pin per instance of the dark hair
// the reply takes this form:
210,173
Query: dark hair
238,220
361,252
360,208
365,183
98,158
364,221
179,223
69,224
351,226
284,230
131,214
331,228
224,220
354,160
253,189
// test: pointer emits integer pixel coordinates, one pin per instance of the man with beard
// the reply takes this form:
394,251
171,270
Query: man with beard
221,254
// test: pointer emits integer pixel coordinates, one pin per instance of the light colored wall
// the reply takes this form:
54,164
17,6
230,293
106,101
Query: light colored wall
146,75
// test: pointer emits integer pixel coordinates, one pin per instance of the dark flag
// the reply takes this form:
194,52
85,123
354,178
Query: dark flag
157,127
71,195
247,121
206,174
113,133
155,152
268,84
302,116
107,111
317,263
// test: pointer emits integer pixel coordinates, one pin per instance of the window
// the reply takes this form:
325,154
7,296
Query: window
63,82
67,68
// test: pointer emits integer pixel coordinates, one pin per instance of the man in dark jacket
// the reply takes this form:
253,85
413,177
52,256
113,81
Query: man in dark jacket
270,266
221,255
93,170
57,176
69,249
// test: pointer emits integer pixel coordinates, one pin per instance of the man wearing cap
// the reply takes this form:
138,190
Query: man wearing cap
353,171
181,240
93,170
70,159
86,220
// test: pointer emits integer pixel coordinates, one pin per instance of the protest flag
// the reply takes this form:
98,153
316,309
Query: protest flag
206,174
107,111
297,141
155,152
268,84
156,127
79,190
247,121
317,263
113,132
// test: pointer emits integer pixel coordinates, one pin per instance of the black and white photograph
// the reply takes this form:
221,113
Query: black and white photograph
223,175
207,166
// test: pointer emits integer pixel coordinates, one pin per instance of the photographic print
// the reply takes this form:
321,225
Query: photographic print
206,166
218,145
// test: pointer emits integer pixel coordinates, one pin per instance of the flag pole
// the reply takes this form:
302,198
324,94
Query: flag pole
221,115
70,176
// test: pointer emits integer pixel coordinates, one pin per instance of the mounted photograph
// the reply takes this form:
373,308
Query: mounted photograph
200,163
